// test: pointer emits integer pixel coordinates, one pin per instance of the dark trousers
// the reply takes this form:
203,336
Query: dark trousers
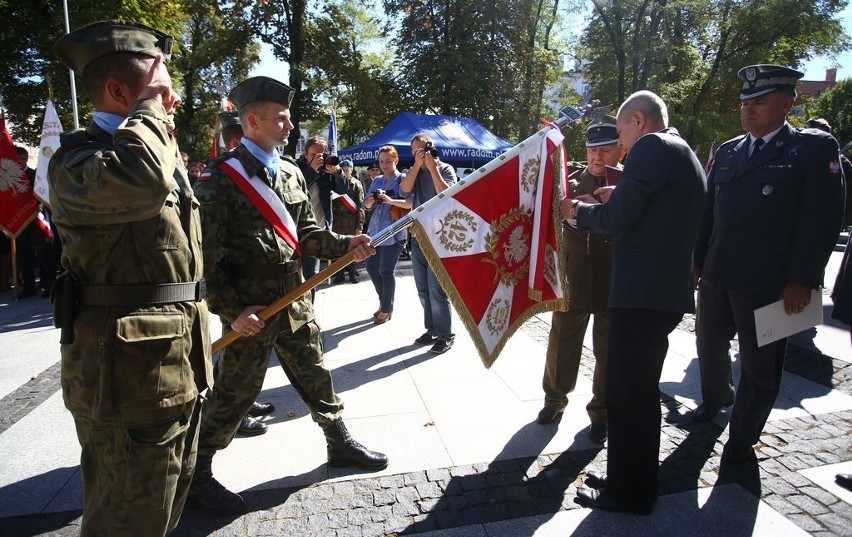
637,348
721,313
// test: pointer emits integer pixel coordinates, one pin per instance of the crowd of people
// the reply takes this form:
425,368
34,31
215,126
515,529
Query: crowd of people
133,298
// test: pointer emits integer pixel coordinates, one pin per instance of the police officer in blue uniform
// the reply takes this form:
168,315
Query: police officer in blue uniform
772,215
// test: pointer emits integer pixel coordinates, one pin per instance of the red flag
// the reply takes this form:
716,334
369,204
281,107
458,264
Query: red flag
18,206
492,240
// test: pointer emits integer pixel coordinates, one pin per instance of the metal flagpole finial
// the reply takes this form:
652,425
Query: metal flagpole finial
571,115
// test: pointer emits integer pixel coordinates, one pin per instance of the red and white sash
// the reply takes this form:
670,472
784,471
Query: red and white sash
264,200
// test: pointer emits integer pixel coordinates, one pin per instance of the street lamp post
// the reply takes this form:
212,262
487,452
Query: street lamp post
191,136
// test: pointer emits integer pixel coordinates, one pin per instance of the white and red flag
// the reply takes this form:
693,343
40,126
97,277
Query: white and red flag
347,201
50,131
493,241
18,206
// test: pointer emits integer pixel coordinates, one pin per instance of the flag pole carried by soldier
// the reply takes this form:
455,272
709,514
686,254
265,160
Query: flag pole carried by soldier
135,344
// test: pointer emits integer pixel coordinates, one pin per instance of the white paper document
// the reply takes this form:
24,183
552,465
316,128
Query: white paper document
772,323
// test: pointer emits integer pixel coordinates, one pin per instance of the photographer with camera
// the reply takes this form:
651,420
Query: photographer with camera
323,175
384,200
426,179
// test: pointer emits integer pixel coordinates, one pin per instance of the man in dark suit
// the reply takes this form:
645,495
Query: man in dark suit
770,222
653,216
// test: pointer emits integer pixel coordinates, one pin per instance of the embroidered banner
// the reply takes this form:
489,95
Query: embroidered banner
493,243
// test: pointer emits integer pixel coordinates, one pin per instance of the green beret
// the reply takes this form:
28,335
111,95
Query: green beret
229,119
261,88
88,43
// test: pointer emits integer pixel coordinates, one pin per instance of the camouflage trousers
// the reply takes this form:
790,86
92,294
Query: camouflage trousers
136,476
562,362
242,368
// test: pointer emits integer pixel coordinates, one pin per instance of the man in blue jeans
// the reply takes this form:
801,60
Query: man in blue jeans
426,178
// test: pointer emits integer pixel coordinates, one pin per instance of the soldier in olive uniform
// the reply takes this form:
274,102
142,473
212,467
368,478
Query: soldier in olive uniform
135,346
258,221
348,220
772,216
589,266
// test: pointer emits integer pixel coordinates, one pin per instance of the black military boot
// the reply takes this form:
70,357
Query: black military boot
344,451
211,495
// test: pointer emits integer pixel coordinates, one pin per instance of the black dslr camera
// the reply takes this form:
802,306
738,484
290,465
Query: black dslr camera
330,160
376,195
431,149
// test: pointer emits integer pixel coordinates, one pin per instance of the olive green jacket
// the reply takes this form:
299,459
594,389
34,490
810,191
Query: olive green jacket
124,220
589,259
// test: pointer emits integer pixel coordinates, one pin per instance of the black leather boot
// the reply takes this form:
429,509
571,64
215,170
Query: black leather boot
344,451
211,495
251,426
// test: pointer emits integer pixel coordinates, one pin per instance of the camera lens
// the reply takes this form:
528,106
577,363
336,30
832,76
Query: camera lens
332,160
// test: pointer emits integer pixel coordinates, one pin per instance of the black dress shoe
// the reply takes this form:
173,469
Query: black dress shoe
260,409
251,427
599,499
597,432
705,412
549,415
844,480
596,479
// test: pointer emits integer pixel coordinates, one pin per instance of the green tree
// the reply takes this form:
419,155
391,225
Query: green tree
835,105
209,67
689,51
469,58
349,68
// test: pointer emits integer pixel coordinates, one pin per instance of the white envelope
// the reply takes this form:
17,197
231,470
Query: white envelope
772,323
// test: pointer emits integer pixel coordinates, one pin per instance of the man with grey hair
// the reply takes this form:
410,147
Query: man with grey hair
653,216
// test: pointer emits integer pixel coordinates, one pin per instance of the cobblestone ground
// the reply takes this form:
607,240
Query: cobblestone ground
452,497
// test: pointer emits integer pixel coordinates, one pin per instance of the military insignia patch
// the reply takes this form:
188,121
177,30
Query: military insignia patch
751,74
834,167
767,190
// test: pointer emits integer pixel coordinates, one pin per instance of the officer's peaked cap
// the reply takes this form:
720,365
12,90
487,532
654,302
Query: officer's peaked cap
765,78
261,88
601,131
78,49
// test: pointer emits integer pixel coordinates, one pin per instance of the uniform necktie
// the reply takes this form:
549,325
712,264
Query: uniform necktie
756,147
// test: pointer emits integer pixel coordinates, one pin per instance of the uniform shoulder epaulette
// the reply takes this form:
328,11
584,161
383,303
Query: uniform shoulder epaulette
290,159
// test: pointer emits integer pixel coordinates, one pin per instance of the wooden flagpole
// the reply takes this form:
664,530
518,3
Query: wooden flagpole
14,252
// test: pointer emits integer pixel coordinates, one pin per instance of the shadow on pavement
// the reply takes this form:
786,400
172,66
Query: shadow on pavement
510,488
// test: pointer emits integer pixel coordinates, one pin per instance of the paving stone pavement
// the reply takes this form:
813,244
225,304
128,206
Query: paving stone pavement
463,497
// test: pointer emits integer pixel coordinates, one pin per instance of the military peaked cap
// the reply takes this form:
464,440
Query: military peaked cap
765,78
78,49
261,88
229,119
602,132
